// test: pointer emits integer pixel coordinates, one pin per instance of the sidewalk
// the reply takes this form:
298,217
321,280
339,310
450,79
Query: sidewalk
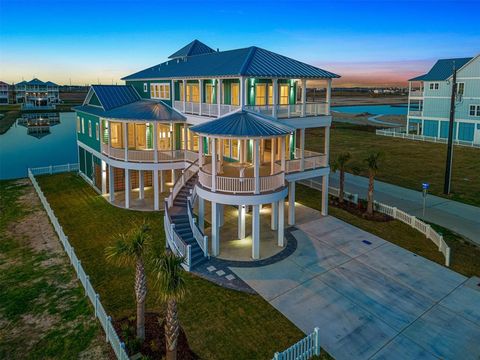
462,218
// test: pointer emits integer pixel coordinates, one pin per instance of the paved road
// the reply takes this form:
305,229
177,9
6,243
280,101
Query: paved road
371,299
461,218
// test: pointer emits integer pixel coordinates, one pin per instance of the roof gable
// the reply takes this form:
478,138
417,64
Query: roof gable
442,69
112,96
194,48
35,81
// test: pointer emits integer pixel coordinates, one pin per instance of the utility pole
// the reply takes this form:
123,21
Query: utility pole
448,167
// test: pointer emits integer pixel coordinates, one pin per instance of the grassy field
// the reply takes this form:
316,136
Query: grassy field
220,323
43,311
465,258
406,163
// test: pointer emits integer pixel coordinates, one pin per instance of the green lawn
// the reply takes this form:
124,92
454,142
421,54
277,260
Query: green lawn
465,258
220,323
406,163
43,311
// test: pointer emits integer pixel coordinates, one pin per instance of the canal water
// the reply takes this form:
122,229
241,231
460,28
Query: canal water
48,139
400,109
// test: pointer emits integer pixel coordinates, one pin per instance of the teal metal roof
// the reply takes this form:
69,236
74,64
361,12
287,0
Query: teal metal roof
194,48
112,96
442,69
145,110
242,124
252,61
36,81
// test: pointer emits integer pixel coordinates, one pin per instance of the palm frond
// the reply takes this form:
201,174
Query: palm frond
129,246
170,277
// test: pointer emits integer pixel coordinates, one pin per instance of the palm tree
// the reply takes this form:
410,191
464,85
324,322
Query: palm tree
340,164
373,162
171,288
130,249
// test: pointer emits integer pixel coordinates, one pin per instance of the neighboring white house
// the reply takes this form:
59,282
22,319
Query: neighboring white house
430,96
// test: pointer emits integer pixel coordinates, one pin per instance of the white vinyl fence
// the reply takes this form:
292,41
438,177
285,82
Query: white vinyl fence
105,320
305,349
394,212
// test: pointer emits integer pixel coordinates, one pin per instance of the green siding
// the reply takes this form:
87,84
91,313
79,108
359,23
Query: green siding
94,100
88,165
90,141
81,159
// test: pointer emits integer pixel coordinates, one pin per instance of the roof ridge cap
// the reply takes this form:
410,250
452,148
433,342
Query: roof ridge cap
248,60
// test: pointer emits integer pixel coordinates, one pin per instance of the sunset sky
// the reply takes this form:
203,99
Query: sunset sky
367,42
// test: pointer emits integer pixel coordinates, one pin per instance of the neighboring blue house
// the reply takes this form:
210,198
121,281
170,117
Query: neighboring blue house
429,100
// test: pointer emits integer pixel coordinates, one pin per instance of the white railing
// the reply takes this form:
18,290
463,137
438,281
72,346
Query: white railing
175,242
99,311
199,236
187,174
210,110
191,156
272,182
403,135
225,109
310,163
416,93
395,213
291,110
54,169
305,349
147,155
415,112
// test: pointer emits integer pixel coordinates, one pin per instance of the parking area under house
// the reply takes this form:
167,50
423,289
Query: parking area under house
370,299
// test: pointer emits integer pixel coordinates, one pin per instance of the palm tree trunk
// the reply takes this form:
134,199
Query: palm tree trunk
341,186
171,329
370,195
141,294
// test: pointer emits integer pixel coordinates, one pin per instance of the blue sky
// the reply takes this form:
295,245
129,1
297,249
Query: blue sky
367,42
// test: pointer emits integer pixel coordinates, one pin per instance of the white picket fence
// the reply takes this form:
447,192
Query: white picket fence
305,349
394,212
99,311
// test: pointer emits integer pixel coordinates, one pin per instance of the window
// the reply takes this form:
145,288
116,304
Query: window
474,110
235,94
160,91
97,131
78,124
116,133
180,89
145,88
90,128
434,86
284,94
83,126
209,93
270,94
193,94
141,136
460,88
260,94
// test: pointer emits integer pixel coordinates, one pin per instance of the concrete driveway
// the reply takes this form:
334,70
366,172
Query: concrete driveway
371,299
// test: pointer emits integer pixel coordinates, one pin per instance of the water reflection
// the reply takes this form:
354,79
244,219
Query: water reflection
38,125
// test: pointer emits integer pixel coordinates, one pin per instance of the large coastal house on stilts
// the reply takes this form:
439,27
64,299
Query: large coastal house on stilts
219,134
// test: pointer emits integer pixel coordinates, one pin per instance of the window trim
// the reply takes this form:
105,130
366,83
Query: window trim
97,131
458,87
476,110
166,93
90,128
79,126
83,125
434,86
145,87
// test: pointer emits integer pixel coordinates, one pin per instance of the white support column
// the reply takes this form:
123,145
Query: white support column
141,185
242,92
172,138
109,138
185,136
262,150
221,214
156,195
329,95
256,232
127,188
274,216
245,150
162,181
275,97
174,177
241,222
201,213
219,96
220,155
291,203
282,153
200,151
200,92
104,176
215,230
325,195
256,164
302,149
281,223
184,90
214,164
111,183
304,96
125,140
326,149
155,142
273,151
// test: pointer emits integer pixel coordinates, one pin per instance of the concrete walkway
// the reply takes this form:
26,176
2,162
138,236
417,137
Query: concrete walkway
461,218
371,299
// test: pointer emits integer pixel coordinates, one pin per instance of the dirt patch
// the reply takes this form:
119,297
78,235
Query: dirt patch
154,344
360,210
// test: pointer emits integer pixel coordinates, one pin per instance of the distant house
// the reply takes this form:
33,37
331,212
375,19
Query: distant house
430,96
37,94
4,93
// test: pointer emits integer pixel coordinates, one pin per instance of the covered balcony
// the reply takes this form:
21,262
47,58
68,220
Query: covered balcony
278,98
